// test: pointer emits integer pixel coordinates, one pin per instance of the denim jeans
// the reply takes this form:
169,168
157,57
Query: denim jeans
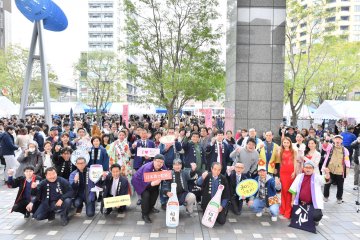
260,204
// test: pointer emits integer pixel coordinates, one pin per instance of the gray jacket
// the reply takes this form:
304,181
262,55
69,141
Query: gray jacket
249,159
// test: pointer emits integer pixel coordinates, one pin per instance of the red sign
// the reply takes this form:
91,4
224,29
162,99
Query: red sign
208,117
161,175
126,114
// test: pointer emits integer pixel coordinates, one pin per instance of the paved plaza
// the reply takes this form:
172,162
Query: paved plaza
339,222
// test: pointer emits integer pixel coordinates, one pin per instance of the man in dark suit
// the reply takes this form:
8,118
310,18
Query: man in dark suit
236,176
219,151
144,142
114,185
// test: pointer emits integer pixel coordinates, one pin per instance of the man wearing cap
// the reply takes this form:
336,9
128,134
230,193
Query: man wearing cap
149,191
266,194
337,161
306,189
181,177
53,135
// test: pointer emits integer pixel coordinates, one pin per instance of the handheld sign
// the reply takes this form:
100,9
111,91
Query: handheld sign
80,153
212,209
168,139
247,188
172,209
150,152
117,201
95,173
84,144
161,175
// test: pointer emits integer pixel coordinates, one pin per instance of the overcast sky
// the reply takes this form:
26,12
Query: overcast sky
63,48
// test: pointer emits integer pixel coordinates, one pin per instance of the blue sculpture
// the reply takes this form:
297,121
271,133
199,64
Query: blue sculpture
44,14
53,17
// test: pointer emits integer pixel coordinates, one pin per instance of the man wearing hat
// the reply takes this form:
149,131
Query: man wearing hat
53,135
266,194
149,191
337,161
306,189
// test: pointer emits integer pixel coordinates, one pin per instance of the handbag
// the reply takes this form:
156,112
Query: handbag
273,200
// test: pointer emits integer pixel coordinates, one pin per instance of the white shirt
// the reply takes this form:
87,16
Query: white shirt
114,186
218,150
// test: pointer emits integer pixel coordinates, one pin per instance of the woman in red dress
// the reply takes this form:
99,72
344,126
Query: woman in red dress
287,155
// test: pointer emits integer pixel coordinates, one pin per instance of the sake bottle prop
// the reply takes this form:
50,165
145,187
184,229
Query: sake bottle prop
212,209
172,209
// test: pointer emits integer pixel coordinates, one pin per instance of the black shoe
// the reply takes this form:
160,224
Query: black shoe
138,202
154,210
107,211
355,188
146,218
163,207
121,210
64,221
237,213
51,216
26,214
78,211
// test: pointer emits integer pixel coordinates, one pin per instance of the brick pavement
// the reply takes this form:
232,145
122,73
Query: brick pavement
339,222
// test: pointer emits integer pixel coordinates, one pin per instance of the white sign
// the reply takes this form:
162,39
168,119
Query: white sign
95,172
150,152
80,153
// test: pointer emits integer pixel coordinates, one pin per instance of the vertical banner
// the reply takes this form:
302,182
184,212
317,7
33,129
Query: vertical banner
229,120
208,117
126,114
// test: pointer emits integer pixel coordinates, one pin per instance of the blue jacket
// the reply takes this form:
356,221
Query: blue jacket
189,154
270,185
226,160
170,153
349,137
139,161
75,186
103,158
8,146
40,141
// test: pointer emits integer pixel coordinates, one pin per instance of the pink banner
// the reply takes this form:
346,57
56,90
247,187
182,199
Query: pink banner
161,175
208,117
126,114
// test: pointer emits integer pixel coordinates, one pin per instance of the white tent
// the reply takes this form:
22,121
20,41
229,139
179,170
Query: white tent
7,107
304,112
134,109
59,108
335,110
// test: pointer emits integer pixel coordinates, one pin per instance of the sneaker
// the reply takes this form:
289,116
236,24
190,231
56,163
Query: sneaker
26,214
274,218
154,210
316,223
259,214
138,202
163,207
326,199
64,221
78,211
355,188
339,201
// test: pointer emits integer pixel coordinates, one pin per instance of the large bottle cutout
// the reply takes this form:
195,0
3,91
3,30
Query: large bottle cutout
212,209
172,209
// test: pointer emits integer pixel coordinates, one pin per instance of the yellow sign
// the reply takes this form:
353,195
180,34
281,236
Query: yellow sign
118,201
247,188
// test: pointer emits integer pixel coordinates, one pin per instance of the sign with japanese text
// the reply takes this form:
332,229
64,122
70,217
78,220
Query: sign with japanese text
117,201
125,114
150,152
247,188
161,175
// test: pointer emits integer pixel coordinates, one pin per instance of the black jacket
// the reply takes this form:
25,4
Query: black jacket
232,182
7,143
356,146
64,185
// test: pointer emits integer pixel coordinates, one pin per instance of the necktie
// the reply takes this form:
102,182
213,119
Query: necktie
143,143
237,179
220,152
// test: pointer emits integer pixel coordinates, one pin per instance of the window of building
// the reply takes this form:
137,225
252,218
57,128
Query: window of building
303,43
344,28
330,1
345,18
345,9
357,18
330,19
356,27
333,9
302,34
330,29
357,8
303,25
356,37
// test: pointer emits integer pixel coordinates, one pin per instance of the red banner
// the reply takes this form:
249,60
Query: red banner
161,175
126,114
208,117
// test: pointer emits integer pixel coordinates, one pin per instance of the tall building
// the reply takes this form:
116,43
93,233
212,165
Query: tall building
105,33
343,19
5,23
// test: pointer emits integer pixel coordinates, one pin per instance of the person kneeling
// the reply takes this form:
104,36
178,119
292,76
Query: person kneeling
113,185
266,194
81,184
209,183
306,189
27,190
181,177
54,194
236,176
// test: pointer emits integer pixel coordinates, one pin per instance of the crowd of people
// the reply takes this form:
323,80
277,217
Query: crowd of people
37,160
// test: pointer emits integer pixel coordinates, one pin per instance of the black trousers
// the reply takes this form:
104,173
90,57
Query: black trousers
317,215
221,218
148,199
339,180
351,150
236,204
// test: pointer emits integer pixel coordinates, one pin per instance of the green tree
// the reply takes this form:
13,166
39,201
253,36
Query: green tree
306,49
100,71
178,51
339,73
12,72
